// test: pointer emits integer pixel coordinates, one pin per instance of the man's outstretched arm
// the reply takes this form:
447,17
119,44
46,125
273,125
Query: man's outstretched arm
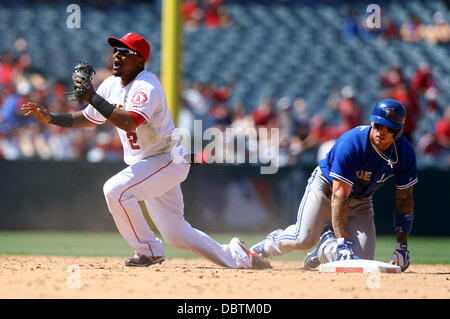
69,120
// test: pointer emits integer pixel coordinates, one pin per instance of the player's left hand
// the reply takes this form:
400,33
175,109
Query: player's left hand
83,89
343,250
82,82
400,257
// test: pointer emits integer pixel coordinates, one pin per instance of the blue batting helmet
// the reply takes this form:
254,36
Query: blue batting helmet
390,113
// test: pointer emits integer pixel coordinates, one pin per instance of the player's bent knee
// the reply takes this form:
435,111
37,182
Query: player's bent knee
111,190
302,243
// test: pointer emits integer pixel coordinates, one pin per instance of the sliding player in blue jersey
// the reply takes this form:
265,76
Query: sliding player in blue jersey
340,190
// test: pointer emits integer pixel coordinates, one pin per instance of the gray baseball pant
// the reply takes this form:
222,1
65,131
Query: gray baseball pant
314,213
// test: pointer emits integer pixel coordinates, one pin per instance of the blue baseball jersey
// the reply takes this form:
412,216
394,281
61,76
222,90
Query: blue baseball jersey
353,160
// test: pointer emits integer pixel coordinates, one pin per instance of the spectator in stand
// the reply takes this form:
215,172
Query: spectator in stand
23,59
321,131
432,108
391,77
422,80
216,16
240,120
346,107
220,115
412,30
195,101
299,110
389,29
442,28
351,26
428,144
395,87
439,32
106,148
10,145
6,69
192,14
225,19
263,114
211,13
443,129
401,93
208,93
301,141
222,93
285,119
10,115
350,111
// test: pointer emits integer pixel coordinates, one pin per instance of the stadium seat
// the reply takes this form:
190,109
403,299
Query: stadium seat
286,47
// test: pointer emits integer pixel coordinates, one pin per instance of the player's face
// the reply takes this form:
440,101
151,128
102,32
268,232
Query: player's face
381,136
125,61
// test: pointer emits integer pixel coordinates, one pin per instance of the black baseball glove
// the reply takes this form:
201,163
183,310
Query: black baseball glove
84,72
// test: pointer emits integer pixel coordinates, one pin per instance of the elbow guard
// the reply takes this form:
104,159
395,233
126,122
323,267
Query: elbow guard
403,222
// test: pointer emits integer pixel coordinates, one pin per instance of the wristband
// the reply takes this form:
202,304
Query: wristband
61,119
101,105
344,241
403,222
402,246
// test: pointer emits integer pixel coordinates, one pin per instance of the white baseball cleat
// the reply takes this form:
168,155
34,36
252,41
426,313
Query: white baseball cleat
259,247
258,261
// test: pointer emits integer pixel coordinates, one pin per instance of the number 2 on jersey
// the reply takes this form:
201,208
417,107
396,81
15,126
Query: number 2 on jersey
132,138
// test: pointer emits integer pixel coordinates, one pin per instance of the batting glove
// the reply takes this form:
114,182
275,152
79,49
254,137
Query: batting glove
400,257
343,249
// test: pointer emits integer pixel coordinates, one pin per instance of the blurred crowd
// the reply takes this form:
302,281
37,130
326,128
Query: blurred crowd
27,138
307,133
209,13
413,30
304,130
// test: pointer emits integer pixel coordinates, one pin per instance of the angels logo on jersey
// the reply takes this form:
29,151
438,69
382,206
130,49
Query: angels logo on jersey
139,98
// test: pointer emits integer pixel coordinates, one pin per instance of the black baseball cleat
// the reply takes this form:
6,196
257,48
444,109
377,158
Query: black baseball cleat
143,261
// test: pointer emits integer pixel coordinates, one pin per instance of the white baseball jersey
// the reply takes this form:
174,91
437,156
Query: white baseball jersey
154,177
144,96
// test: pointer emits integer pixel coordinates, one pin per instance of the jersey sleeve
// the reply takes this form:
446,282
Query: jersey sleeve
406,170
344,164
90,113
145,99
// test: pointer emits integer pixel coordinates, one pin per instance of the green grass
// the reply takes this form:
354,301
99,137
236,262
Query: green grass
423,250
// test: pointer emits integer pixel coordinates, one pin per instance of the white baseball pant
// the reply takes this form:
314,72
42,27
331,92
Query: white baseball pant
156,180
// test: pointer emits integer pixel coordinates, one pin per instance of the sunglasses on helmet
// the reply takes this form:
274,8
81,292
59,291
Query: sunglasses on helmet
124,51
379,126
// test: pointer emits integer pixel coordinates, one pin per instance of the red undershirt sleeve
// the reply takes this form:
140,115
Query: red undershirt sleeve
137,118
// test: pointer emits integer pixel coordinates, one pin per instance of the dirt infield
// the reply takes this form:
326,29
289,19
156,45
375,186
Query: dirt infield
60,277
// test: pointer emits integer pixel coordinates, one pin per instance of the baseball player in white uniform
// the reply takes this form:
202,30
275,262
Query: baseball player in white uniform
133,100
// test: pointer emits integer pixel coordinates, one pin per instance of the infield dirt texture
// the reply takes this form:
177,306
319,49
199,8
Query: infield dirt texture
107,277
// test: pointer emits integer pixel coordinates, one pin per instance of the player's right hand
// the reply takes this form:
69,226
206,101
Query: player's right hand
343,250
38,111
400,257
